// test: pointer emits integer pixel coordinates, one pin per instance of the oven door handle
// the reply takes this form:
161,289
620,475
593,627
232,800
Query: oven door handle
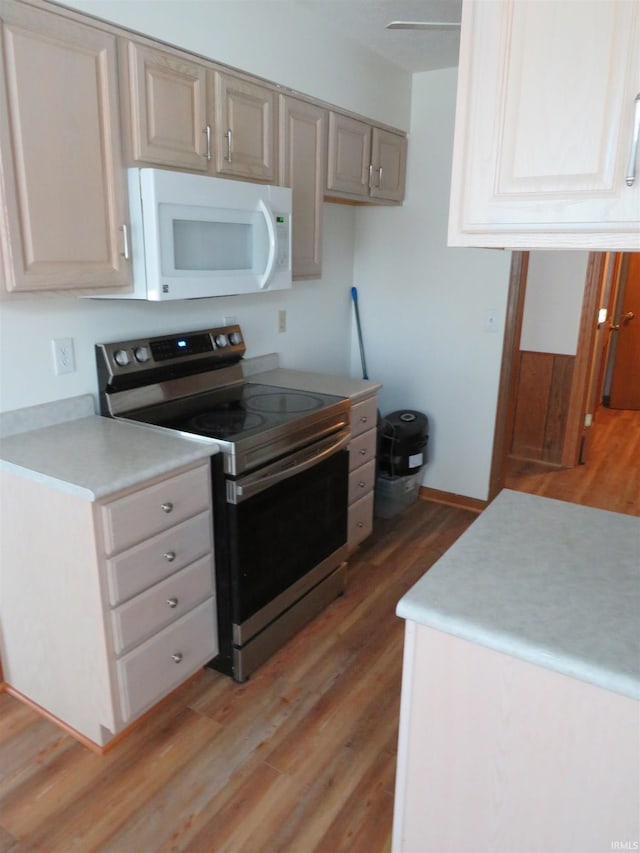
253,484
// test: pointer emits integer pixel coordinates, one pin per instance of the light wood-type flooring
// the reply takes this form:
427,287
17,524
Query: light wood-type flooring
300,758
610,477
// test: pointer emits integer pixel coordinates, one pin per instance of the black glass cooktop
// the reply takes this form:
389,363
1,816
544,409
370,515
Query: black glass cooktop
236,412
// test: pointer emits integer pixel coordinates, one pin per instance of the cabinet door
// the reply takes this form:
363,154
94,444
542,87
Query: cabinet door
349,155
61,168
167,102
544,125
388,159
245,129
303,135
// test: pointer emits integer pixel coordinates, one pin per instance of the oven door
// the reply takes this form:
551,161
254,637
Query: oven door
287,526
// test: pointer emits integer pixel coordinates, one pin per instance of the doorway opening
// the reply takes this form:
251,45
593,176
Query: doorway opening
598,461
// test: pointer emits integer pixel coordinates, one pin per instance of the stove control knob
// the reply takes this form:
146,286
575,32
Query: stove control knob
142,354
121,357
235,338
221,340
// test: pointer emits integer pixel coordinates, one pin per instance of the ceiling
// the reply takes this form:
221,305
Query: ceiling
365,21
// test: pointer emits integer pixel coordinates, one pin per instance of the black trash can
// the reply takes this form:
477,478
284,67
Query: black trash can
403,443
402,454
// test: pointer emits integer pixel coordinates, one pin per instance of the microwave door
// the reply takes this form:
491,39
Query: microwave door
270,222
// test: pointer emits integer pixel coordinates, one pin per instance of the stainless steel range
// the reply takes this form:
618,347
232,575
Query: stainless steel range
280,481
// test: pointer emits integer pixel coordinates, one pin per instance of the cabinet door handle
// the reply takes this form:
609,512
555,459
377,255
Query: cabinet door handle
166,507
176,657
170,556
207,132
228,136
125,242
633,154
379,176
370,175
172,602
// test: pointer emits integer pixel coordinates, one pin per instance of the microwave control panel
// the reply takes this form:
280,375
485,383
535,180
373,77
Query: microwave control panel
283,260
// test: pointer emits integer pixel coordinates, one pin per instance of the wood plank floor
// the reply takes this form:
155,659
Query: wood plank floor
300,758
610,478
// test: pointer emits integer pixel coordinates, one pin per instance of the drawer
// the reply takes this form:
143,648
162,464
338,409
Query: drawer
164,603
149,672
359,521
144,513
144,565
362,449
362,481
364,416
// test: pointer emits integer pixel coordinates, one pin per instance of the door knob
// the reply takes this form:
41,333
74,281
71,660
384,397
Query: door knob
624,318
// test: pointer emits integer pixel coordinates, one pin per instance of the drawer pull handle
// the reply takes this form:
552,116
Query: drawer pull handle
364,419
360,524
170,556
166,507
172,602
363,452
176,657
362,484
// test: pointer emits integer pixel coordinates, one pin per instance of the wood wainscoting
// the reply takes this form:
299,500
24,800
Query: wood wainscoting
542,406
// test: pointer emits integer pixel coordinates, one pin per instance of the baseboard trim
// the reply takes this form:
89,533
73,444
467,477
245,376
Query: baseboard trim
451,499
542,463
96,748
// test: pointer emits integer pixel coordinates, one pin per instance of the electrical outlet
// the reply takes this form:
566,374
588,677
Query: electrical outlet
64,360
282,321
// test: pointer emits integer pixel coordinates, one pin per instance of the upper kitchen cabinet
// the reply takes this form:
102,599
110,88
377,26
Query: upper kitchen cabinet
303,146
245,129
165,108
365,162
546,109
63,218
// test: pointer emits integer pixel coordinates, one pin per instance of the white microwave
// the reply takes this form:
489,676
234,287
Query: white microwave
193,236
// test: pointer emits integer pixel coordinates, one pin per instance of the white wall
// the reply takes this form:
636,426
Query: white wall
317,336
553,301
423,306
275,39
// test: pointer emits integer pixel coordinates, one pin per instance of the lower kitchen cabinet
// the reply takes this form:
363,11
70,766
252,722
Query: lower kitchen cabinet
362,470
107,606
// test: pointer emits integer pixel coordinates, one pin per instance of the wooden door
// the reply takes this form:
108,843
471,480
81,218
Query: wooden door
303,145
63,181
388,159
625,384
245,129
349,156
167,102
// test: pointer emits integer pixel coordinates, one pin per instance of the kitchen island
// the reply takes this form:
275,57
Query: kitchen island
520,715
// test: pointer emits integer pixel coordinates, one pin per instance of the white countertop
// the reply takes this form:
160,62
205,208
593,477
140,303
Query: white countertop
63,444
94,456
339,386
547,581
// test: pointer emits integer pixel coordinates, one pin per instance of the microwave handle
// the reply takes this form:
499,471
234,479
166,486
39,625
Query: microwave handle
273,241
